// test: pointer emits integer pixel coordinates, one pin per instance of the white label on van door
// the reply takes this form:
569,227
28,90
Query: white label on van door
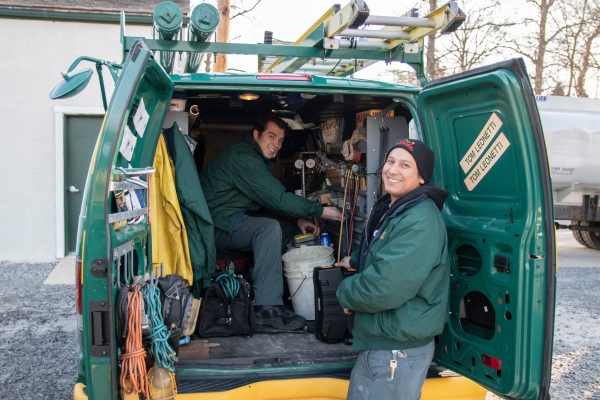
140,119
487,162
485,137
128,143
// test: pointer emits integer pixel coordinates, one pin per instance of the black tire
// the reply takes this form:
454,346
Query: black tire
578,237
591,238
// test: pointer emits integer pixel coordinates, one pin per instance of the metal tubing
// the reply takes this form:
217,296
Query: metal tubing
204,21
374,34
303,181
410,22
193,114
321,68
364,45
168,20
102,91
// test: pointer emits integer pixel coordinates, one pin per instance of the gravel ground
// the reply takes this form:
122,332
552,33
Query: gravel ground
38,342
38,339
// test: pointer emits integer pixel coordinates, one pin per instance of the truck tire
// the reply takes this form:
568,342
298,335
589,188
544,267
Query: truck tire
591,238
578,237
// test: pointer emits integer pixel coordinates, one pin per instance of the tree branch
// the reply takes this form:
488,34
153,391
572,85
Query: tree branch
245,11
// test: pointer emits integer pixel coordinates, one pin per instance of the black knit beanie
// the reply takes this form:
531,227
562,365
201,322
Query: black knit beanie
422,154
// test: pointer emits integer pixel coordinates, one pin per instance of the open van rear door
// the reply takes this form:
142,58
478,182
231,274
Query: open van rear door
111,255
484,128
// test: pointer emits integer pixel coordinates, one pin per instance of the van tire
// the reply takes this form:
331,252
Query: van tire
591,238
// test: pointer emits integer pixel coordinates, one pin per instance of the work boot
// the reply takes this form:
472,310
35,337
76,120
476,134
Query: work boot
279,317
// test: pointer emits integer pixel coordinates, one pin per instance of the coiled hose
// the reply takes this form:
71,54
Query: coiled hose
163,354
229,285
133,363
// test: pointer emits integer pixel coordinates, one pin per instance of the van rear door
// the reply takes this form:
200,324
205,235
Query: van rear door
484,128
111,255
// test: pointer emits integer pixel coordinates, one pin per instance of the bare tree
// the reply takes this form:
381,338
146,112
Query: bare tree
532,41
478,39
575,52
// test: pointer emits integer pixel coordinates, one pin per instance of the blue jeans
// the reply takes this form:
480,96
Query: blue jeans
371,377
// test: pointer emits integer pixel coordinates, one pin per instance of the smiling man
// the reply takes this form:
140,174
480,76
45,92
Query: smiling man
237,184
399,293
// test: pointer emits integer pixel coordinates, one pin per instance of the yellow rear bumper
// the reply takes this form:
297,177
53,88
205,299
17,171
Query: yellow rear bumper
454,388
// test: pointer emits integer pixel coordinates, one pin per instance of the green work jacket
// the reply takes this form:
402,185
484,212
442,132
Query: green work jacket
198,222
400,297
238,179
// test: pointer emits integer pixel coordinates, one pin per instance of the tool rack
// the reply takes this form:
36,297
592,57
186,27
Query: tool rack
340,38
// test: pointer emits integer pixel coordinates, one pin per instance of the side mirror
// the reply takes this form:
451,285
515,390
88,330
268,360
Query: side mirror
72,84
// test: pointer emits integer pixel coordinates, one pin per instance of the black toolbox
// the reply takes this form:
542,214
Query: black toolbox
331,323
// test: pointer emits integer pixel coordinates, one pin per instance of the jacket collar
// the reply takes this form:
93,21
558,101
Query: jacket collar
248,138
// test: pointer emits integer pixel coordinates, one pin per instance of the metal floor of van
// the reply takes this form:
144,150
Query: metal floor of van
269,349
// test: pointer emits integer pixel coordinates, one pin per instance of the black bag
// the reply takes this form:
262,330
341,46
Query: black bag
221,317
331,323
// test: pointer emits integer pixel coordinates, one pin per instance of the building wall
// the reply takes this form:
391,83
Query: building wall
34,53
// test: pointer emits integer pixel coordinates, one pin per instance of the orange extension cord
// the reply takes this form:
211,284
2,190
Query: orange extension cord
133,362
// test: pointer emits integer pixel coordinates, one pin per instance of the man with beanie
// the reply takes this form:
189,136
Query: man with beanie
399,293
237,184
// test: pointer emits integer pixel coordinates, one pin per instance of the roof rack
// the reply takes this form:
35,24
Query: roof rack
339,43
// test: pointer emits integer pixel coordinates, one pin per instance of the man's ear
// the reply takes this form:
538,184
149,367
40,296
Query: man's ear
255,134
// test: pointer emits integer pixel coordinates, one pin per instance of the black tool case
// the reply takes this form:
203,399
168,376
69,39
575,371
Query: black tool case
331,324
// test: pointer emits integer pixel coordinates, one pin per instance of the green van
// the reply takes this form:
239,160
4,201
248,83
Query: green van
484,128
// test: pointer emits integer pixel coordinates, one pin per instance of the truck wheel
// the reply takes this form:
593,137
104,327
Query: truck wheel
592,238
578,237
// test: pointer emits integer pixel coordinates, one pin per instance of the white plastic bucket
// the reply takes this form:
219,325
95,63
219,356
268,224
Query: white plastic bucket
298,267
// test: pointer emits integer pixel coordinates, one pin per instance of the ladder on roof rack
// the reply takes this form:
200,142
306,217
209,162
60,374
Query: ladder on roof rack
400,36
334,44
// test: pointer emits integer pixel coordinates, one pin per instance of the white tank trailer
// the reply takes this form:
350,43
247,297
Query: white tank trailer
572,131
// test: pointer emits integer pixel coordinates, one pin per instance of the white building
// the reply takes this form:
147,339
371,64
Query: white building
44,143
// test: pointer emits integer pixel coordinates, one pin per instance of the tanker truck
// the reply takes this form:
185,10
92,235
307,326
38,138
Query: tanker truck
572,131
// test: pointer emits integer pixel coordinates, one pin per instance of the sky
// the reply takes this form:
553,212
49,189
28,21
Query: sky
288,20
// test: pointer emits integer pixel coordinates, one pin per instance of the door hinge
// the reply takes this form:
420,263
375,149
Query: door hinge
100,268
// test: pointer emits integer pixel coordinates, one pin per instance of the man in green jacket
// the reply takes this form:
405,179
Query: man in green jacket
238,182
399,294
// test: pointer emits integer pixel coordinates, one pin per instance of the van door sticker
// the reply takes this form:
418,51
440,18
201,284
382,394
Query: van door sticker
487,162
485,137
128,143
140,119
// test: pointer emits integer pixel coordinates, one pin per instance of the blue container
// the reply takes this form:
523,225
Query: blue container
325,240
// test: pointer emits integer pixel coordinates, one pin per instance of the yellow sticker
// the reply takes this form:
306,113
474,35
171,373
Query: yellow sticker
382,235
487,162
483,140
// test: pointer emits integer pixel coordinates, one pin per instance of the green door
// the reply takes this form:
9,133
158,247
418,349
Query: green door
484,128
81,136
127,142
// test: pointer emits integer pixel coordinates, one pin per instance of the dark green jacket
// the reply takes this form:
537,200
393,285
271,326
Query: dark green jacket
400,297
238,179
197,219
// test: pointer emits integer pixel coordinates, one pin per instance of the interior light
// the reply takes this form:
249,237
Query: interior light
248,96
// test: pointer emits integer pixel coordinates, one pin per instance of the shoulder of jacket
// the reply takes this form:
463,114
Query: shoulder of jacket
417,212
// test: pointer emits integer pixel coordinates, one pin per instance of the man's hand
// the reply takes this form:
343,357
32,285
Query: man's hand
331,213
304,225
345,263
347,311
